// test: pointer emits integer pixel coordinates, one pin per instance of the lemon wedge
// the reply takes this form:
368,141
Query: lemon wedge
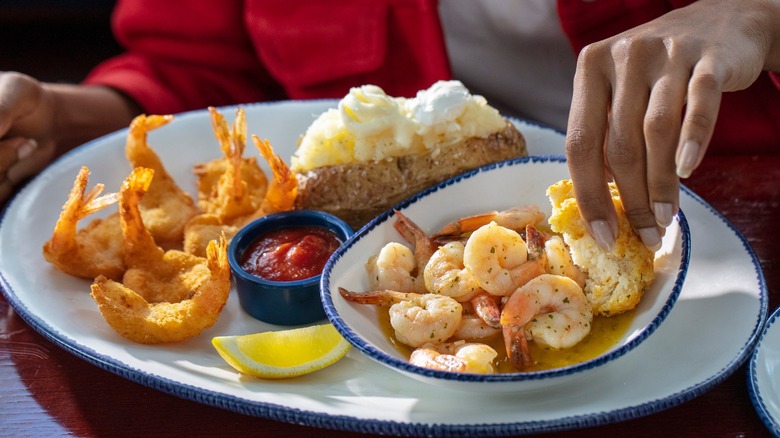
283,354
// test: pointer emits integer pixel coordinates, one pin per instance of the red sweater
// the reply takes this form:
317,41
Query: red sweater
184,55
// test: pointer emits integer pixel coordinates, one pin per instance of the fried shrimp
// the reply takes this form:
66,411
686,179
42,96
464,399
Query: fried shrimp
394,269
460,357
166,208
416,318
153,273
232,186
137,319
97,248
498,259
283,188
516,219
550,309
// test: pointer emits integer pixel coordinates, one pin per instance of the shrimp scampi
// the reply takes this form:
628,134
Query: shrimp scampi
461,357
417,319
550,309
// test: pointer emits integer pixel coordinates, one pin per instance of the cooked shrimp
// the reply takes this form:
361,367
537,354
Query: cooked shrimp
394,269
550,309
97,248
558,260
153,273
445,274
498,259
424,246
487,308
166,208
282,189
204,228
231,186
416,318
514,218
473,326
459,357
151,323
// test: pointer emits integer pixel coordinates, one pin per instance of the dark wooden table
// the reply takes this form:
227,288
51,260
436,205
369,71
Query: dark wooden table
46,391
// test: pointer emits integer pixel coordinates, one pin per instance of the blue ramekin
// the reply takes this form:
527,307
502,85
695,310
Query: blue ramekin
281,302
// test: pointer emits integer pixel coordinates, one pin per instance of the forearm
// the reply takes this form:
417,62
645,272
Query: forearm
82,113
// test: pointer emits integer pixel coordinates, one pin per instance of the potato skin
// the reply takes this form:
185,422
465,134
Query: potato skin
358,192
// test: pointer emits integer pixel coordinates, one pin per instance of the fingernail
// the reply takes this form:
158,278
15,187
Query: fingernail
602,232
663,214
26,149
650,237
689,155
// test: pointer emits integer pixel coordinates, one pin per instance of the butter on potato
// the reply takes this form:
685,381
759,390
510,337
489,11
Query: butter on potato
374,150
616,280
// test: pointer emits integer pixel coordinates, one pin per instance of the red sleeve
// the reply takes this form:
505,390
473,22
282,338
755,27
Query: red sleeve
184,55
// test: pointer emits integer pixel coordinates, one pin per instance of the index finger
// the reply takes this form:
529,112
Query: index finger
585,137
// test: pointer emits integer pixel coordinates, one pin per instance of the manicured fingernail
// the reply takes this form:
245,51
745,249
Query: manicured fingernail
26,149
602,232
650,237
689,155
663,214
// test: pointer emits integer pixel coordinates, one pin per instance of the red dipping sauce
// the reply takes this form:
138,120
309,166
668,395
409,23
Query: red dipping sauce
290,254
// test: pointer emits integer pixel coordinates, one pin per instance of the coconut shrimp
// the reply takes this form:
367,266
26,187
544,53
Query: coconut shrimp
394,268
516,219
166,208
137,319
499,259
231,186
153,273
460,357
550,309
97,248
417,319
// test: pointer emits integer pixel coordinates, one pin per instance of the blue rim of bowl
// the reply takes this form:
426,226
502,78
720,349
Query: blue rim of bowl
757,396
380,356
336,222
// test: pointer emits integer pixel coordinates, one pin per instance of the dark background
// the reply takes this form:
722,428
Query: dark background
55,40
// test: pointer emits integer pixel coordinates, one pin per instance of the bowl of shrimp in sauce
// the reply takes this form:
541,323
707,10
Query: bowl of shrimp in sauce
466,285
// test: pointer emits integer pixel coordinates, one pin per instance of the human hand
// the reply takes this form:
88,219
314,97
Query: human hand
26,143
645,104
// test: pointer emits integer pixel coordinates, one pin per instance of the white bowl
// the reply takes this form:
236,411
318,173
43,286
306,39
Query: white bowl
493,187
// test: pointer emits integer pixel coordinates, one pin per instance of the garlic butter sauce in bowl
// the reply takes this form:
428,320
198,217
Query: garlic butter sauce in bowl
498,186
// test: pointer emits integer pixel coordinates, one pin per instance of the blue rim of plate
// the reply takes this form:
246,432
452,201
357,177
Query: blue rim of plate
383,358
754,390
287,414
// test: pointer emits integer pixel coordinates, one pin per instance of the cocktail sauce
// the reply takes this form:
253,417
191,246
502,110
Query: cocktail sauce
290,254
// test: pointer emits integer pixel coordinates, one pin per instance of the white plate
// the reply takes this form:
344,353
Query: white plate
501,186
692,351
764,374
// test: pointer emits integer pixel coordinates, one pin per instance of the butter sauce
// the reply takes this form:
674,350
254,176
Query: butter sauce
604,334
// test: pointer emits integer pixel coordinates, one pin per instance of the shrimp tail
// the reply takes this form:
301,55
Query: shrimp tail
535,241
517,350
486,307
424,246
465,225
383,298
283,189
